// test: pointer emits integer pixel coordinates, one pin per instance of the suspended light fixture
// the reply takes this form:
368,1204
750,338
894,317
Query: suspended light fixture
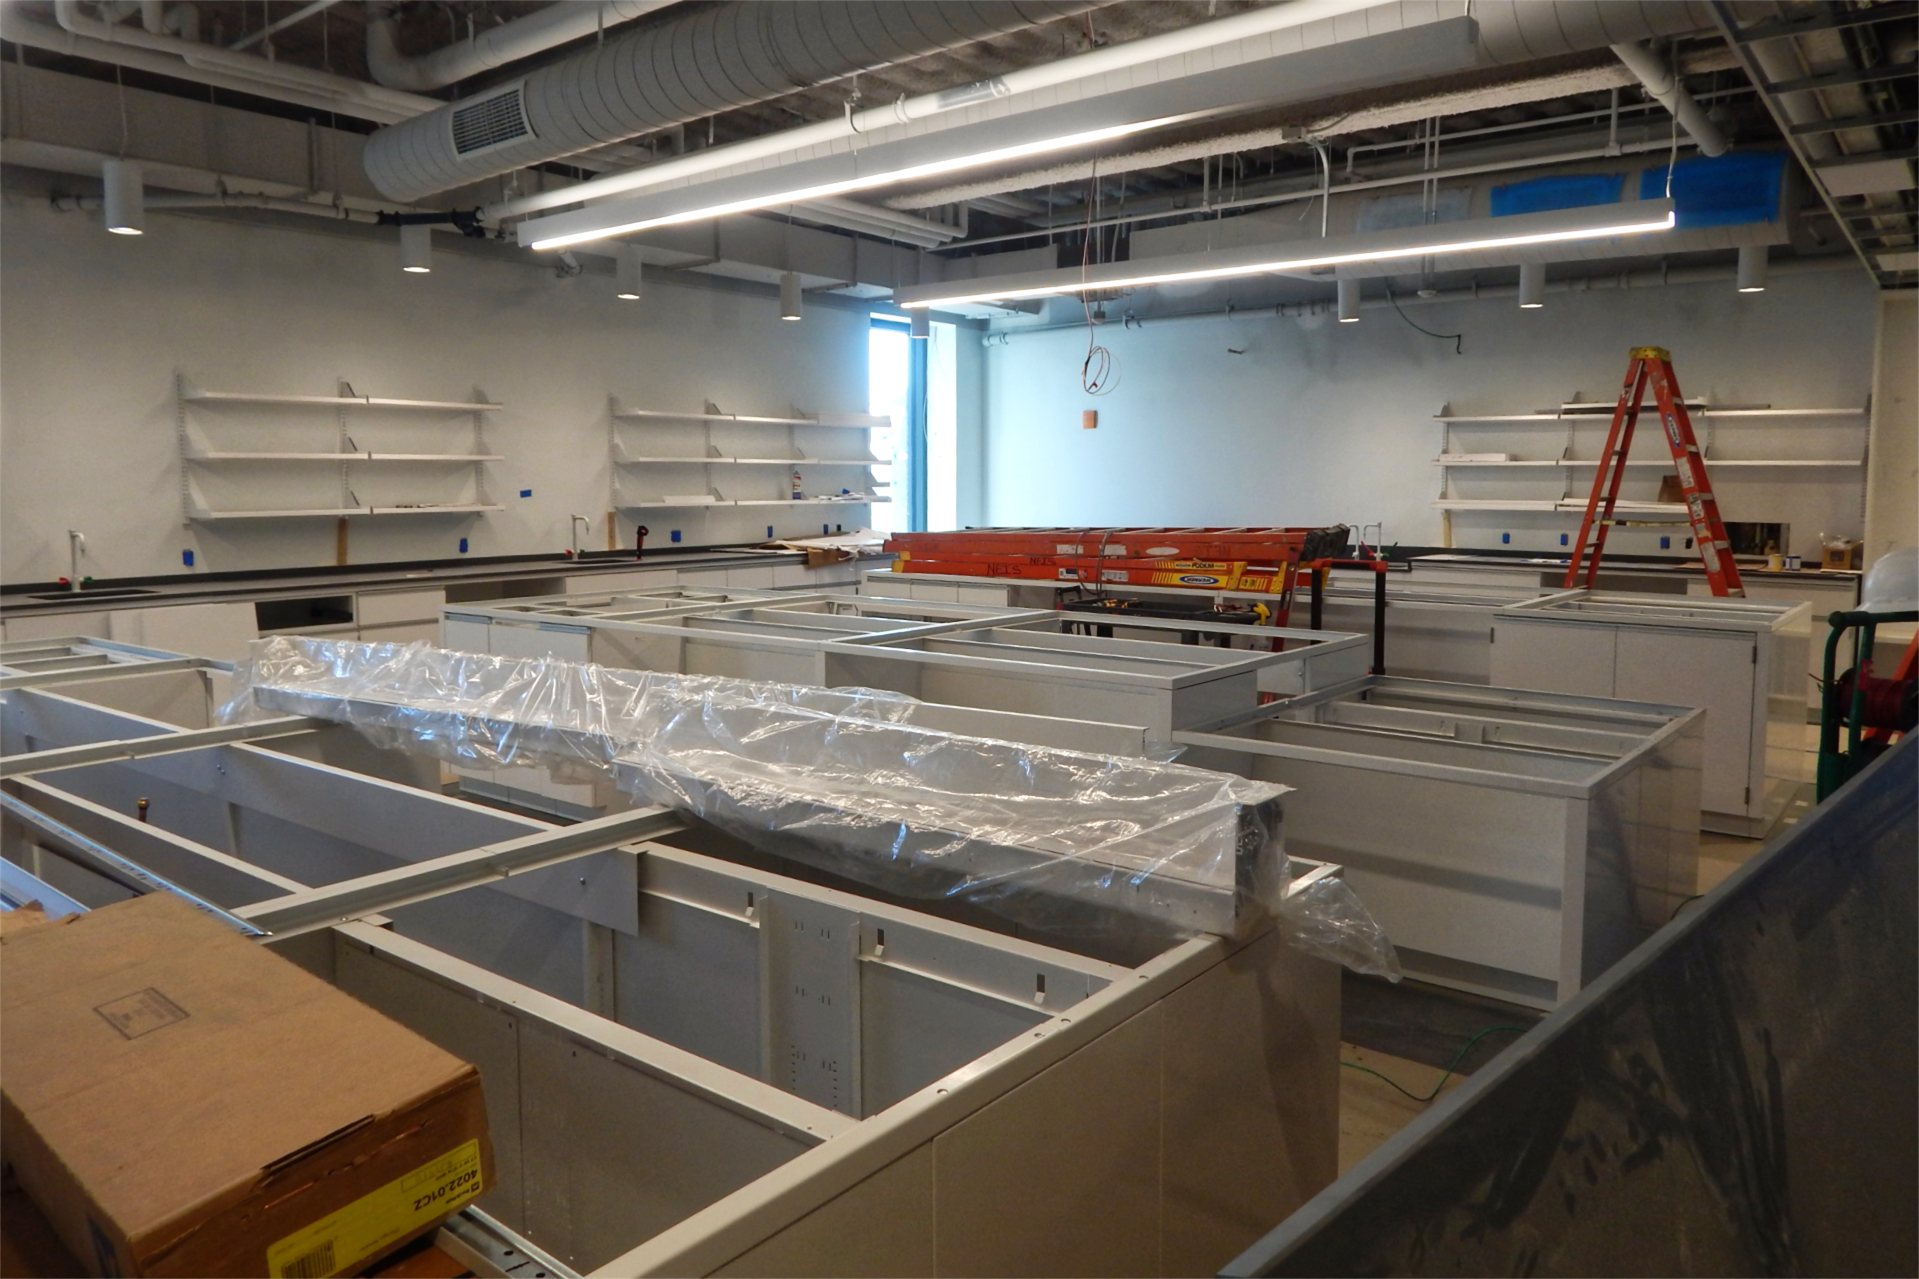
1348,301
789,295
626,273
416,248
1752,268
124,198
1482,235
1532,285
614,225
919,325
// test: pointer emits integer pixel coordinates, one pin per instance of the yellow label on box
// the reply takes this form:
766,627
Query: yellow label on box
379,1219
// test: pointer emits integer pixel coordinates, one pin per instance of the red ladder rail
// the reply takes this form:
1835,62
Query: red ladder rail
1652,366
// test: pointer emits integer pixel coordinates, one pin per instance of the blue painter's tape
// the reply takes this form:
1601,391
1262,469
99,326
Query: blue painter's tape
1543,195
186,558
526,492
1720,190
675,535
463,546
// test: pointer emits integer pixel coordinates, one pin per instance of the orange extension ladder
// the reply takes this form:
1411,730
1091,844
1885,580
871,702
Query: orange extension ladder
1654,364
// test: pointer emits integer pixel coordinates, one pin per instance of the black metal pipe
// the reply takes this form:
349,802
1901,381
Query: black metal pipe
1379,621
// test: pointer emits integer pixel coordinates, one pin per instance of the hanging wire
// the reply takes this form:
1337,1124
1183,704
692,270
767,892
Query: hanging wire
1672,156
121,85
1457,339
1326,182
1099,371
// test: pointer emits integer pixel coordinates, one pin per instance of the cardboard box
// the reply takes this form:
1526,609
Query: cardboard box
1842,555
180,1101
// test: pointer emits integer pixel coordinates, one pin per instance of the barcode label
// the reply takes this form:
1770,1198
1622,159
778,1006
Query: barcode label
312,1265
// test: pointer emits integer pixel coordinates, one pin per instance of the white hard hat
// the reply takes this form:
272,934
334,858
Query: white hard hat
1892,583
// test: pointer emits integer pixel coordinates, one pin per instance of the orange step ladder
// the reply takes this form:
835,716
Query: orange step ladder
1653,364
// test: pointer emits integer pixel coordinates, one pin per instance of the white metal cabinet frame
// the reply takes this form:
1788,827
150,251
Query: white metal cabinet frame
651,1034
1742,660
1511,843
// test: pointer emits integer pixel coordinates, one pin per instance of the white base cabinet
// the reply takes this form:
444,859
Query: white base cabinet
1742,661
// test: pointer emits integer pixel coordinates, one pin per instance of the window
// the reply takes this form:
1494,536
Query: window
915,384
888,374
942,428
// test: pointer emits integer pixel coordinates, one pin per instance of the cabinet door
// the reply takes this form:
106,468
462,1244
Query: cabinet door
390,608
511,639
465,634
219,631
1556,657
1699,668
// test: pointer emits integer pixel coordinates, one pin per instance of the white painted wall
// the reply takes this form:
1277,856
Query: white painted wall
95,325
1319,422
1892,497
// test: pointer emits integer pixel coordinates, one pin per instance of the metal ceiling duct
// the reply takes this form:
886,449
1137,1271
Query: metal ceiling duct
543,29
1524,30
713,59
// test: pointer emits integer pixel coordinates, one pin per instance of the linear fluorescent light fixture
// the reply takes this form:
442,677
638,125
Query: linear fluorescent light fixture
864,182
1481,235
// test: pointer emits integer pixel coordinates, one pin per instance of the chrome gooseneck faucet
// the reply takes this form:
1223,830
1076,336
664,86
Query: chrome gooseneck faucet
76,547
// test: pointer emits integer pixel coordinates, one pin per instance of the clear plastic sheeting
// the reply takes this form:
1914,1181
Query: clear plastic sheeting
1322,915
842,779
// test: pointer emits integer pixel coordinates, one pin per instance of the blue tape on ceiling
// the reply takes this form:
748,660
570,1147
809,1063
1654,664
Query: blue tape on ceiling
1720,190
1571,191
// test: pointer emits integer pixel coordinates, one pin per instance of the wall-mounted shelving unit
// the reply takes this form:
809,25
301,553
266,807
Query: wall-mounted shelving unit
674,468
1599,415
197,449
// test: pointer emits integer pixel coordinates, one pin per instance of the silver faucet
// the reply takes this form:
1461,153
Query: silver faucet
573,524
76,547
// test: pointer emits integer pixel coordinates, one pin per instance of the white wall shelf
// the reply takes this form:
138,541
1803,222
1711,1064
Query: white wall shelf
1585,412
625,458
1580,419
1622,508
861,500
199,454
346,452
341,512
673,443
748,461
347,399
1716,463
711,413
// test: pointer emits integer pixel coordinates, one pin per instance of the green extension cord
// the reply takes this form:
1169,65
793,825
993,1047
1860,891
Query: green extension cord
1461,1056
